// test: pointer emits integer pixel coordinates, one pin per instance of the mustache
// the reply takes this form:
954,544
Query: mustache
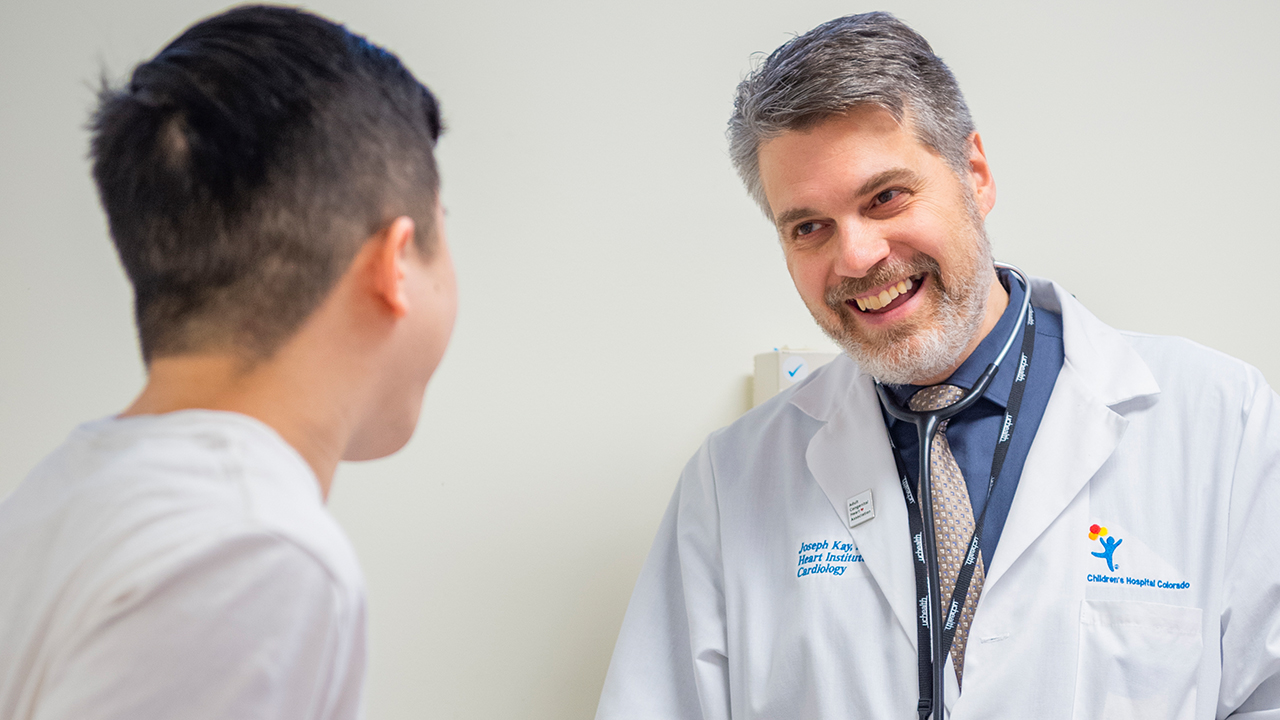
882,274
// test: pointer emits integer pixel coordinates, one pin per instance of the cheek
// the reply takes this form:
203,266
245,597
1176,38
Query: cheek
447,317
943,229
440,304
927,234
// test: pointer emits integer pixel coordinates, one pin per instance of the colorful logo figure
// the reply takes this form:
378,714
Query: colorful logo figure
1109,545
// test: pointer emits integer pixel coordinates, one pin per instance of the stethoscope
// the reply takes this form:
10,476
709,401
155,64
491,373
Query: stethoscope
927,423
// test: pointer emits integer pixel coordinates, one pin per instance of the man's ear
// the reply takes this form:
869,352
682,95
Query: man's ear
984,183
390,251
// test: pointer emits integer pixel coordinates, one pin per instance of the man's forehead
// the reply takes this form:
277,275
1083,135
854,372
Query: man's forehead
840,131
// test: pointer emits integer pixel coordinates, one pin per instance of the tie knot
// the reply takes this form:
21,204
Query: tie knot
934,397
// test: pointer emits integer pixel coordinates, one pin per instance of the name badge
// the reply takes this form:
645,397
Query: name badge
861,509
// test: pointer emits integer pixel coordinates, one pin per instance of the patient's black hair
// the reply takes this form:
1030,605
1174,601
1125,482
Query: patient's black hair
243,167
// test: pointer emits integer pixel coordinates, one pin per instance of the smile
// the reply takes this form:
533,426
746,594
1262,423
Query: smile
889,297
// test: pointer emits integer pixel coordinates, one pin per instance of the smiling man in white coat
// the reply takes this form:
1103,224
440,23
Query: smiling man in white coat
1122,487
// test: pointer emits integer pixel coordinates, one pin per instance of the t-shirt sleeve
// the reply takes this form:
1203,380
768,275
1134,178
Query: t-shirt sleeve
248,627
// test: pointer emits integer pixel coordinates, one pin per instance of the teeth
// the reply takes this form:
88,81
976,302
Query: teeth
875,302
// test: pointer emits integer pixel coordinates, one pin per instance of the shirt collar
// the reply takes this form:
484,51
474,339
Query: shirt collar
967,374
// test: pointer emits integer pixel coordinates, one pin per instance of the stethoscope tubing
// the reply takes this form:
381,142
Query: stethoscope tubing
927,423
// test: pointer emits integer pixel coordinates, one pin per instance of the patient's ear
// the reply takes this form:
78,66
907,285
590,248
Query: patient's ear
389,251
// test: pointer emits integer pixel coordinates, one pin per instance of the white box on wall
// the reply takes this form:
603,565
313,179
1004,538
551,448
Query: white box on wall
778,370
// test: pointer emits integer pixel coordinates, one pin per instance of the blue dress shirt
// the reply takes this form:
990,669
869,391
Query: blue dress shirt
972,434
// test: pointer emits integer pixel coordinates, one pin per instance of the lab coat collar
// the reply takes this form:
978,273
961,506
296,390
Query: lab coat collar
1110,368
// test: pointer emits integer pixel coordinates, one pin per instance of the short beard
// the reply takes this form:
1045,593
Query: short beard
918,350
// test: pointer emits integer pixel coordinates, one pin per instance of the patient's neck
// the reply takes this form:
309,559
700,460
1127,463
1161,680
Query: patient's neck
295,403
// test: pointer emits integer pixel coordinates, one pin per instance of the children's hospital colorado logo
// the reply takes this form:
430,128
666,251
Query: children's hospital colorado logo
826,557
1106,551
1109,545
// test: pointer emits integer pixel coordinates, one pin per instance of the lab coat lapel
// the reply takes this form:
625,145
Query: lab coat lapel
849,455
1079,430
1077,434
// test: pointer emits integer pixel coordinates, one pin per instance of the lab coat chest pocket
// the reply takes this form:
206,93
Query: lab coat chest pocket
1137,661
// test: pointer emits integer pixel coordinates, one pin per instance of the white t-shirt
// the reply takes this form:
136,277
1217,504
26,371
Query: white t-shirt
177,566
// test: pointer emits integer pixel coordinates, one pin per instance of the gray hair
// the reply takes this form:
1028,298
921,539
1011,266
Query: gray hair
869,59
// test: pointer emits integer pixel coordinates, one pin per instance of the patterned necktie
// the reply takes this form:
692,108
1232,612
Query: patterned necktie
952,518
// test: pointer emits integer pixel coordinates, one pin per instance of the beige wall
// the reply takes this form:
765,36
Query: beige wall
615,281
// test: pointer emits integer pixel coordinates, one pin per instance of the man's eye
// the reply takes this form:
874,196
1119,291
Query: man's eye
805,228
887,196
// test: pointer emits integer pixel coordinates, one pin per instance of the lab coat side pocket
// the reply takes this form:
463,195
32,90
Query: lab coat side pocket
1137,661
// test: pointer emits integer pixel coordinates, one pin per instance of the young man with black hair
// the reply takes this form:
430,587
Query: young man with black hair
271,189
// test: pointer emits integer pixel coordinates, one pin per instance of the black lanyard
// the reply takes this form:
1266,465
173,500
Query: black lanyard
914,515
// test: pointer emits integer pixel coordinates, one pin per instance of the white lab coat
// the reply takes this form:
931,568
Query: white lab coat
1174,448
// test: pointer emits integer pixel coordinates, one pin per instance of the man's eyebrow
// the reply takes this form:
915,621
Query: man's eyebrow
792,215
903,175
894,175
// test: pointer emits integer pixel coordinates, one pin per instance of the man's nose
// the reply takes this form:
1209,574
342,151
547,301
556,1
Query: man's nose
859,248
